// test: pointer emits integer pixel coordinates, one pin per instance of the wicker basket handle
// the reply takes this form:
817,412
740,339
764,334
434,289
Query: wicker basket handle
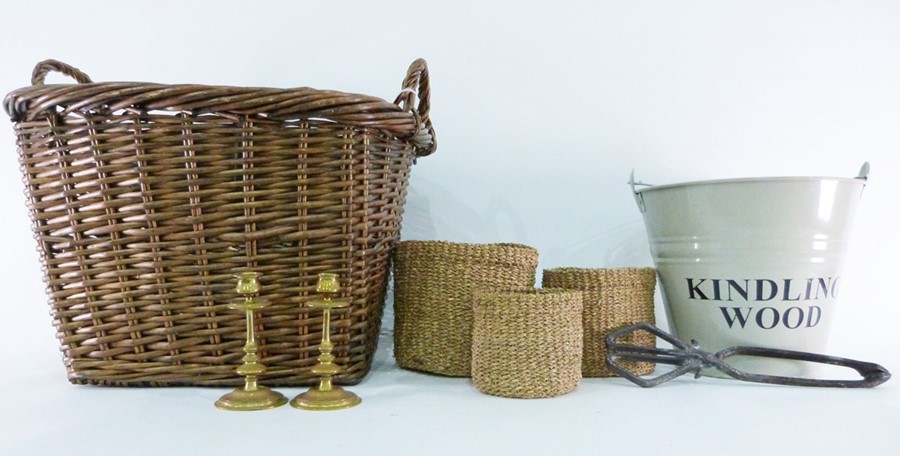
42,68
416,84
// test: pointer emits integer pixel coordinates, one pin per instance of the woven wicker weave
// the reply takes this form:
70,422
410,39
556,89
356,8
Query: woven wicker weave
527,344
433,287
146,198
613,298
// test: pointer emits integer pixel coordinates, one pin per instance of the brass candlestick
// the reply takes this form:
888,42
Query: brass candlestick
326,396
251,396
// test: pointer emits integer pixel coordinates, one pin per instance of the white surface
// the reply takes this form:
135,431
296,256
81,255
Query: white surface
405,413
541,110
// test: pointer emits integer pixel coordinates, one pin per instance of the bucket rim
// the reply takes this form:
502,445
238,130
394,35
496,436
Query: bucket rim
738,180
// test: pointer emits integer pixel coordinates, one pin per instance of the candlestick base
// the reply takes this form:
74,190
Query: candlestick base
336,398
260,399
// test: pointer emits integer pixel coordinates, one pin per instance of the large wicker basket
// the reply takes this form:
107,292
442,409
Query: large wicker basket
147,198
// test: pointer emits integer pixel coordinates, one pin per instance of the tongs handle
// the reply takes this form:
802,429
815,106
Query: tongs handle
690,358
872,374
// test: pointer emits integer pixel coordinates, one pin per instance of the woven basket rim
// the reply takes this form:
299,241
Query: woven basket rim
582,270
466,246
403,118
526,292
25,102
585,270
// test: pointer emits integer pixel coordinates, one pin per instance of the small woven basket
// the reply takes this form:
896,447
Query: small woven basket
147,198
613,298
527,344
434,283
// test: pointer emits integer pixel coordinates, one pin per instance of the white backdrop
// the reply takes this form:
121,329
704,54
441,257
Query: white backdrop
541,111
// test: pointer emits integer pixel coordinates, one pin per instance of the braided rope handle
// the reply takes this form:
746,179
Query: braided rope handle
416,84
46,66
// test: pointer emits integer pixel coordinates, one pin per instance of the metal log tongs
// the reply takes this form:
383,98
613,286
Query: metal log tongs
690,358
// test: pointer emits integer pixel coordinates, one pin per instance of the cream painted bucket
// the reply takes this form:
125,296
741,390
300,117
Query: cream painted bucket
753,261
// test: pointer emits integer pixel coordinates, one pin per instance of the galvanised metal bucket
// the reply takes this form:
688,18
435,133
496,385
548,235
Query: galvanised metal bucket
754,261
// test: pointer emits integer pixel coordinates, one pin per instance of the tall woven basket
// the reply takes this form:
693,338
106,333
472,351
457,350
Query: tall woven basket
613,298
147,198
434,285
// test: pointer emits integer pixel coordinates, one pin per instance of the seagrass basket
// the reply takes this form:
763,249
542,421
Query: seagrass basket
147,198
613,298
527,343
434,283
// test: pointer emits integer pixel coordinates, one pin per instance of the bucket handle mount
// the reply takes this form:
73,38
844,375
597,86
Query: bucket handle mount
638,198
863,172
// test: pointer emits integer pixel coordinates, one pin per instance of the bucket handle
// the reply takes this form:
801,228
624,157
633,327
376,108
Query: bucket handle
639,199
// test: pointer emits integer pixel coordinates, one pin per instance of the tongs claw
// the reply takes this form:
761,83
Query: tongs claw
690,358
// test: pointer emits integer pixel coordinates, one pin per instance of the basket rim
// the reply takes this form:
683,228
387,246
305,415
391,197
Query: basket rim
526,293
576,270
466,245
28,103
